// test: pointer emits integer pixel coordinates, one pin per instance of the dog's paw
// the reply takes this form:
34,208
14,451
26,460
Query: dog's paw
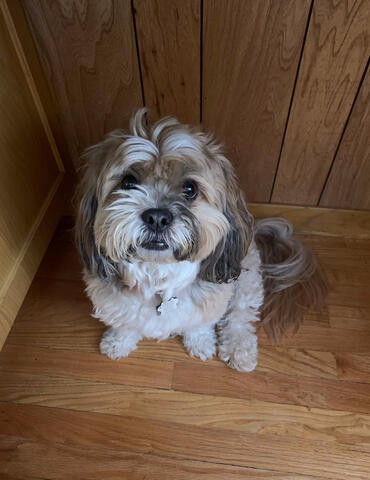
201,345
115,347
241,355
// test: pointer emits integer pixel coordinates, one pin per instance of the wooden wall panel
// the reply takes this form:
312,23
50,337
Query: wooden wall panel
334,59
348,185
168,33
88,51
30,175
250,58
42,85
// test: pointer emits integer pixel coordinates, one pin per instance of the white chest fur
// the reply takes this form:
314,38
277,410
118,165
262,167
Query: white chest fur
151,278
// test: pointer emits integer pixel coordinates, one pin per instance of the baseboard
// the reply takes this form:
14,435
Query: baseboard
21,281
318,221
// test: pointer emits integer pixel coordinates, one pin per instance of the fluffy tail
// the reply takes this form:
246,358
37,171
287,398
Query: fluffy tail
291,279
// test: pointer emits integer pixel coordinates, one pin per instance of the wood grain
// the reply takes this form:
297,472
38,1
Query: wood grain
168,33
319,221
354,367
69,412
76,463
334,58
199,443
150,373
30,175
88,53
349,181
60,311
250,57
324,339
349,317
42,86
305,391
241,415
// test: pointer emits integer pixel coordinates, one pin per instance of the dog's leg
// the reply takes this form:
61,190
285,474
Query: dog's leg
119,342
238,341
201,342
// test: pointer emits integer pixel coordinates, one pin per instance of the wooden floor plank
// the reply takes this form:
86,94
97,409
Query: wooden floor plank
85,337
324,339
354,367
74,462
129,371
310,392
41,424
241,415
54,316
69,412
61,260
349,318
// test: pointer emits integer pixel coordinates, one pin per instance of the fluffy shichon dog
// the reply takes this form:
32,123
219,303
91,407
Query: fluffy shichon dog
169,247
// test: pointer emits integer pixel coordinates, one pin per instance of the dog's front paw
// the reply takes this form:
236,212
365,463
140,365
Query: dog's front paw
201,345
117,346
241,355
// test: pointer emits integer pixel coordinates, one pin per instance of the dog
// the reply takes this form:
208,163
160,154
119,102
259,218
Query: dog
169,247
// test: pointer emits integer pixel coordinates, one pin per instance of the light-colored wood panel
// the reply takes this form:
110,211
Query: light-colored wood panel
334,58
320,221
168,34
250,57
88,52
25,152
305,391
130,371
187,442
26,267
58,462
35,72
348,185
241,415
30,176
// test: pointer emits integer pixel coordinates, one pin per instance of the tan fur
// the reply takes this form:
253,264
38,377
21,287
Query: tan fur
292,281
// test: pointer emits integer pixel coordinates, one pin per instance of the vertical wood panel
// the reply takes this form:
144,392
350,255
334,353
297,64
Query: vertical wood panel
30,174
251,53
334,59
348,185
88,52
42,85
169,43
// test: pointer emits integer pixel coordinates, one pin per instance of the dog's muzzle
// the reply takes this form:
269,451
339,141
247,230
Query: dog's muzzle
157,220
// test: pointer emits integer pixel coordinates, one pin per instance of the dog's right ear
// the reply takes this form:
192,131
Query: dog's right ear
94,260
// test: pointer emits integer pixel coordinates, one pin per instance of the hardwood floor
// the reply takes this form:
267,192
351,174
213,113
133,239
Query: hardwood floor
67,412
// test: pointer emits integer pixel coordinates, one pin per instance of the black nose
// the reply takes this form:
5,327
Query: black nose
157,219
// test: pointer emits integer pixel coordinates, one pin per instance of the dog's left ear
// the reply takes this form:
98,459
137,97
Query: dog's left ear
224,264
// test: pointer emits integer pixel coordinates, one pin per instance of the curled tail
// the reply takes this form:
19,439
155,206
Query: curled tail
292,281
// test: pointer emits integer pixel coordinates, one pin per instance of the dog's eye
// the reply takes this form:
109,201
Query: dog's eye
190,189
129,182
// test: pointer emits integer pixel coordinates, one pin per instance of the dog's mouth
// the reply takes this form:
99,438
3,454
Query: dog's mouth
155,245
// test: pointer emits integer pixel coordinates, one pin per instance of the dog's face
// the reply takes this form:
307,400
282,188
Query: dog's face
163,194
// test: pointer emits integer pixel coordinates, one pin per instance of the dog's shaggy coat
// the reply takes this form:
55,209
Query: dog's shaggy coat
169,247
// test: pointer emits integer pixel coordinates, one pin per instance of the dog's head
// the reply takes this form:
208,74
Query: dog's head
162,193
